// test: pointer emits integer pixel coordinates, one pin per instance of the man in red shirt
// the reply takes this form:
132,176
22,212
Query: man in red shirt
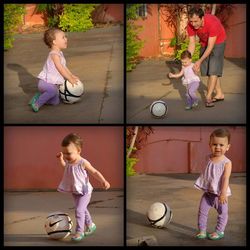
212,37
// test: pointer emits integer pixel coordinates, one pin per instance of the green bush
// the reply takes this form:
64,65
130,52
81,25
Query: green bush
133,43
130,163
184,46
13,14
76,17
133,46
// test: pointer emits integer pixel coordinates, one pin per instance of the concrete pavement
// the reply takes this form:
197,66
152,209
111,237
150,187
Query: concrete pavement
148,82
178,192
95,56
25,213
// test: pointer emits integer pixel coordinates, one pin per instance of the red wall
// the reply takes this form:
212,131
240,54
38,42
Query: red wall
149,32
183,149
30,155
236,33
30,18
114,13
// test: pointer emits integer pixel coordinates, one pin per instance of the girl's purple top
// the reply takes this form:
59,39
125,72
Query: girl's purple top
189,75
210,179
50,73
75,179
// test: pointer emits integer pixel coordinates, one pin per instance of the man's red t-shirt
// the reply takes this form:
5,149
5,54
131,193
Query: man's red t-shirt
212,27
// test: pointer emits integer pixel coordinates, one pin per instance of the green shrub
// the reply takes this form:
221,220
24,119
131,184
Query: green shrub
130,163
76,17
184,46
13,14
133,43
133,46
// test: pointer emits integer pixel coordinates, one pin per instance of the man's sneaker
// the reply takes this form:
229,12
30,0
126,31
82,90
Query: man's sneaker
90,230
34,107
34,98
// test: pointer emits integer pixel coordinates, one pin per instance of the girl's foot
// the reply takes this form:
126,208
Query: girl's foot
34,107
201,235
90,229
34,98
216,235
188,107
195,105
78,236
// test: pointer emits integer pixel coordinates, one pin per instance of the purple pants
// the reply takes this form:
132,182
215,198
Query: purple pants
209,200
81,212
191,92
49,94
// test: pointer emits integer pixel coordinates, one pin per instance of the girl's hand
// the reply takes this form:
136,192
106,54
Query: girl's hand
170,75
59,155
106,185
76,77
73,81
222,199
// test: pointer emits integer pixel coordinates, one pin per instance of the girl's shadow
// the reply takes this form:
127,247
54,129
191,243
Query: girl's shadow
175,67
27,82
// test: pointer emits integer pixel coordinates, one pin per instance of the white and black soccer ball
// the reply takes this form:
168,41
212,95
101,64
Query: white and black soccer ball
69,93
158,109
58,225
159,214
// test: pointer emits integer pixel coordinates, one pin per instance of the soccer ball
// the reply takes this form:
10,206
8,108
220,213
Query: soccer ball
158,109
159,214
58,225
69,93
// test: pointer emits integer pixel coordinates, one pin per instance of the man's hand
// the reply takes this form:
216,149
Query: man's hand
197,66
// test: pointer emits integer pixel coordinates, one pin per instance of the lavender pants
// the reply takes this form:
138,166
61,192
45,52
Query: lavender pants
209,200
81,212
49,94
191,92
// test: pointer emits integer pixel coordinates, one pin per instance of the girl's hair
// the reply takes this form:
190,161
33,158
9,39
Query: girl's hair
50,36
221,132
196,11
186,54
72,138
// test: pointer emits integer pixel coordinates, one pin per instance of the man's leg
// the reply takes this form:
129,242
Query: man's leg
218,90
212,81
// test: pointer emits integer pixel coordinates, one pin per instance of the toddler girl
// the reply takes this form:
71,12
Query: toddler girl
76,181
214,181
54,71
189,79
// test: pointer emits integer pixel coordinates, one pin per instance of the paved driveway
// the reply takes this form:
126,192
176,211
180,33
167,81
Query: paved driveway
25,213
148,83
95,56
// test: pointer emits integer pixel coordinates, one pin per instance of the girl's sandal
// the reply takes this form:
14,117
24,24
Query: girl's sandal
78,238
201,235
216,235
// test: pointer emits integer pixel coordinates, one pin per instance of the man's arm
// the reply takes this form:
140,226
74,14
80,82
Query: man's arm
191,45
210,46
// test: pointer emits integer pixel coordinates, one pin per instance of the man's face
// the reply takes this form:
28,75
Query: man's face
195,21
